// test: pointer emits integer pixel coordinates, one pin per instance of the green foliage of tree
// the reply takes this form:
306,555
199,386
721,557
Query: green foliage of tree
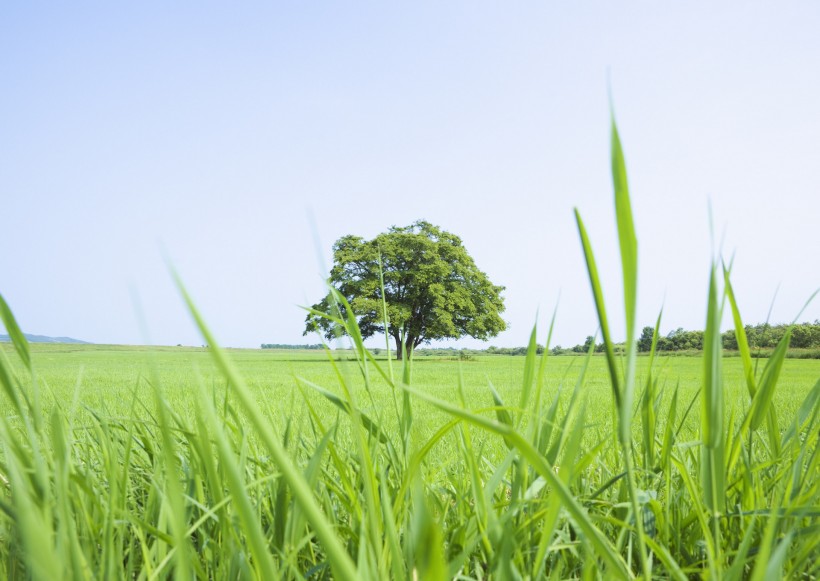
767,336
681,340
492,350
432,288
645,340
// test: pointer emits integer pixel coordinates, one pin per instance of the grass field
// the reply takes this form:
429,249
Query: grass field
111,376
456,495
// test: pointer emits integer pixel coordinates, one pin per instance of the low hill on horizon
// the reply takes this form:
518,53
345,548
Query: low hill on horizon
45,339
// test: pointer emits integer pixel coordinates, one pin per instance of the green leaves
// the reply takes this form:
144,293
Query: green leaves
623,389
416,284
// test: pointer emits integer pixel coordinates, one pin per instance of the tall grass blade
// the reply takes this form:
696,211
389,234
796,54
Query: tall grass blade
17,337
740,334
626,231
629,265
713,466
529,371
598,295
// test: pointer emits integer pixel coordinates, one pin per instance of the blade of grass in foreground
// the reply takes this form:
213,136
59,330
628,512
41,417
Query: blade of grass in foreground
629,266
713,476
624,390
341,563
17,337
598,295
740,335
7,378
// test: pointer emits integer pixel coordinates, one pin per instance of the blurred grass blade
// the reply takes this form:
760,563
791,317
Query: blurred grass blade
501,410
10,386
428,558
15,334
713,467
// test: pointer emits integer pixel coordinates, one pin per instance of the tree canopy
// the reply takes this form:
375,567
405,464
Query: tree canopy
432,288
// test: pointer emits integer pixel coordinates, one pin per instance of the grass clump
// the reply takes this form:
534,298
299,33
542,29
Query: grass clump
534,489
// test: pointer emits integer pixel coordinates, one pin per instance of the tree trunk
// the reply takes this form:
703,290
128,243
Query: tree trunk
409,345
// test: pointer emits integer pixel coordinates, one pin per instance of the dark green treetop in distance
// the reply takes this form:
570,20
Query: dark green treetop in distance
432,288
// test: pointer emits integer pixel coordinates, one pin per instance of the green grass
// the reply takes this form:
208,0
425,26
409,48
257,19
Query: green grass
149,463
111,378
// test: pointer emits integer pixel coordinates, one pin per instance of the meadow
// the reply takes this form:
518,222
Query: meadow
111,377
456,494
174,463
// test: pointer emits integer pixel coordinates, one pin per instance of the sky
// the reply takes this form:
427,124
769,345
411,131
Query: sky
235,142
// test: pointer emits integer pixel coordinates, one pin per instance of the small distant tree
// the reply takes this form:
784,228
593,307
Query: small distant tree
645,340
432,288
730,339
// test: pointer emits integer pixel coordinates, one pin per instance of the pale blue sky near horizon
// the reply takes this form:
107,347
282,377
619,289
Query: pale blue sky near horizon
219,134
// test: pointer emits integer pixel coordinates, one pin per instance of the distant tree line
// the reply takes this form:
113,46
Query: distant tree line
492,350
761,336
287,346
804,336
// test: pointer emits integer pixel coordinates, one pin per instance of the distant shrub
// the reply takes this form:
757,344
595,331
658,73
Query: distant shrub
465,355
289,346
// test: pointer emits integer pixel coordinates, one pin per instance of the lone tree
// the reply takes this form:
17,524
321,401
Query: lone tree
432,288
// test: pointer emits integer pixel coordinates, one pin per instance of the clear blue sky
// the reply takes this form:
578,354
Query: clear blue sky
214,130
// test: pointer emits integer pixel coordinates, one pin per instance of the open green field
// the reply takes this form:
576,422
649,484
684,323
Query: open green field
112,377
160,463
117,380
